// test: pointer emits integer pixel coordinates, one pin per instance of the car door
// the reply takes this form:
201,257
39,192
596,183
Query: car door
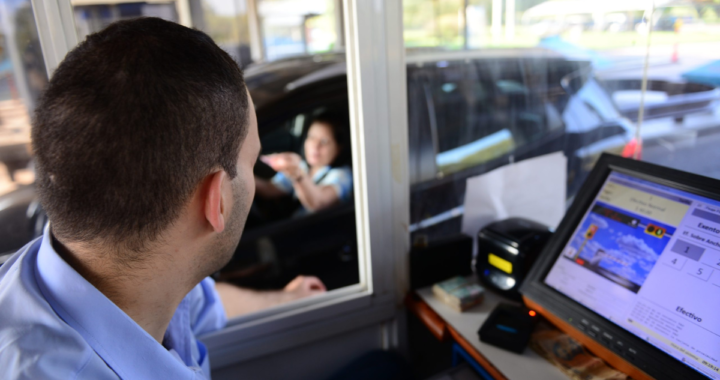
278,245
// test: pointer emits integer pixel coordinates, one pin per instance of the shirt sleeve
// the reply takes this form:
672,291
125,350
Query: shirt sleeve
207,313
283,183
341,179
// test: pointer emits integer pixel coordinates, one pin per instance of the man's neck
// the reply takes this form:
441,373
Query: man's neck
148,291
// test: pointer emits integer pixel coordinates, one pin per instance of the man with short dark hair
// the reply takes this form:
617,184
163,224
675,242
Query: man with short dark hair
145,142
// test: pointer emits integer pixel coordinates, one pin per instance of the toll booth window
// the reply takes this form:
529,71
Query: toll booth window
305,225
487,88
22,79
287,235
93,17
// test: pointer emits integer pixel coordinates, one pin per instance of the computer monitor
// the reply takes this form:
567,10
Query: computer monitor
633,270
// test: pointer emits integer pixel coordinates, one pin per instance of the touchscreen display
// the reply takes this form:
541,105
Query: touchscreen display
647,257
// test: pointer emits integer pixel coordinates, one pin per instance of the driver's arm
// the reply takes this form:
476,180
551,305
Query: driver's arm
315,197
267,189
292,176
238,301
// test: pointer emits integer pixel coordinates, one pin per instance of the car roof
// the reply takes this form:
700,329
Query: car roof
270,81
422,56
267,82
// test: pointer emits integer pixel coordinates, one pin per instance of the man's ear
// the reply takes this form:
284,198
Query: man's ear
215,204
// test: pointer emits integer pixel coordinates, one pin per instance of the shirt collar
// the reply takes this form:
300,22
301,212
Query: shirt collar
124,346
320,173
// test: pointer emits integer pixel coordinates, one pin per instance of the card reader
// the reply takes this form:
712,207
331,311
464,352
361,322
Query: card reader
508,327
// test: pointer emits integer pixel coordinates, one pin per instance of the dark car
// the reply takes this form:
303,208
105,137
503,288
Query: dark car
472,112
468,114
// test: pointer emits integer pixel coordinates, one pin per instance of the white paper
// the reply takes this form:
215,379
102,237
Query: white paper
533,189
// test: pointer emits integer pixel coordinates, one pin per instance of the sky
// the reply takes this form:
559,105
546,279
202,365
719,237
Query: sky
628,252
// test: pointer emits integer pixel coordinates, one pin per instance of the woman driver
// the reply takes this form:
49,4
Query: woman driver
315,181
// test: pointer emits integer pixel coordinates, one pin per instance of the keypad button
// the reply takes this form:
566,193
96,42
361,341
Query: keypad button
631,353
698,270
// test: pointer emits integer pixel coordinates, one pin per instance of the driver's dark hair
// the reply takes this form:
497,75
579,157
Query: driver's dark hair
132,121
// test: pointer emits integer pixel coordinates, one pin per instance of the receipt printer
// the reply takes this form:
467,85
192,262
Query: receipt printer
506,251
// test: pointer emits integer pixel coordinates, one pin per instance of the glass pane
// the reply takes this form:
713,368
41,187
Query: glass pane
226,21
91,18
22,79
681,118
498,81
291,27
283,238
302,109
433,23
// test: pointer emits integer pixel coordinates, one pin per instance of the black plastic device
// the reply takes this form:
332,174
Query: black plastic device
508,327
506,251
632,267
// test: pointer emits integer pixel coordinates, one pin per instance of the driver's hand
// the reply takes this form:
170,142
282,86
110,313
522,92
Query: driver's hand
304,286
287,163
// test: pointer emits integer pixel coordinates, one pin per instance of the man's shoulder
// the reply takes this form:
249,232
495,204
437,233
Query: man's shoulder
34,342
19,293
40,351
20,296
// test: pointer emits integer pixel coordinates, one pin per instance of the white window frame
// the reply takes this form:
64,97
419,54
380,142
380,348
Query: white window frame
378,112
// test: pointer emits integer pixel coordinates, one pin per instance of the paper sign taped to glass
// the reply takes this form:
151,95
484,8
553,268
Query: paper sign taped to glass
532,189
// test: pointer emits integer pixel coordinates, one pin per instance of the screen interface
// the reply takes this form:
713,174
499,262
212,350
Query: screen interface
647,257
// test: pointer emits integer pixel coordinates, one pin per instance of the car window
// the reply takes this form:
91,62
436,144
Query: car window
489,108
422,138
483,113
518,107
464,117
285,138
282,240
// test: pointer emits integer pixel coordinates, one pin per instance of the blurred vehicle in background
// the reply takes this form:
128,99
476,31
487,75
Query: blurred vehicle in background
672,17
556,17
662,98
470,112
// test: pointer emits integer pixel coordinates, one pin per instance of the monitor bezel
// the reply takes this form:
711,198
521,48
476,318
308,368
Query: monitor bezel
561,308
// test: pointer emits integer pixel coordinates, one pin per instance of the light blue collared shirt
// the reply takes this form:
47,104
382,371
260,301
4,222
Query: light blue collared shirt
56,325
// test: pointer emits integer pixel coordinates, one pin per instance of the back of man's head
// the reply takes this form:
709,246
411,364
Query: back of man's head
132,121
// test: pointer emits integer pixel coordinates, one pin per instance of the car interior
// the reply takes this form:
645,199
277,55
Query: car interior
268,255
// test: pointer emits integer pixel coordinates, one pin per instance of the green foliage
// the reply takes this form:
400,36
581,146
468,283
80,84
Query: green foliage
225,29
709,15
